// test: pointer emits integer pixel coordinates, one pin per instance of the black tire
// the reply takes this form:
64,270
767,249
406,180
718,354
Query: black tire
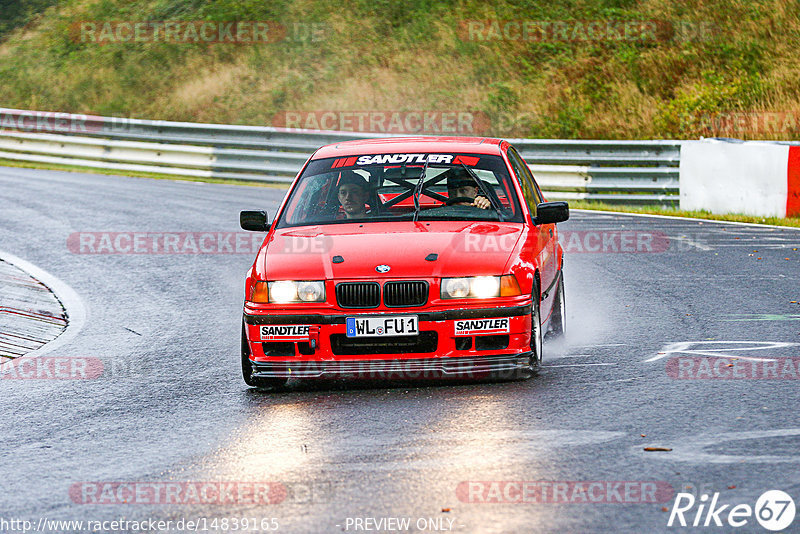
247,370
558,319
536,332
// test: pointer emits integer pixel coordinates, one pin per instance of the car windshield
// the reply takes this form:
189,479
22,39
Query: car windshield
383,187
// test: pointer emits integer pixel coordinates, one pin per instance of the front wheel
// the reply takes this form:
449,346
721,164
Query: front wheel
247,370
536,333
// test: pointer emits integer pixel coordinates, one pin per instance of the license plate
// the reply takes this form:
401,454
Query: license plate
393,325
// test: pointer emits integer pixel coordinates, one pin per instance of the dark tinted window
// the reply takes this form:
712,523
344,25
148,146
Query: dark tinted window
529,189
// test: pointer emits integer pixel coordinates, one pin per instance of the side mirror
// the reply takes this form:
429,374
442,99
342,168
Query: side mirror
551,212
256,221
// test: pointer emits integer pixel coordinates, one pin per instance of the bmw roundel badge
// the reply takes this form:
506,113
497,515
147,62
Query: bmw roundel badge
383,268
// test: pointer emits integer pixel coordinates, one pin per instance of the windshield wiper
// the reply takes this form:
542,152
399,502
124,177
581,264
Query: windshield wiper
483,187
418,188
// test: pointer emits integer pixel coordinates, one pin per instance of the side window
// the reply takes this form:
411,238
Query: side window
536,190
529,190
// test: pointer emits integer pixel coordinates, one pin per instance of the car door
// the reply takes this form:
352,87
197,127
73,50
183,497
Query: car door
544,233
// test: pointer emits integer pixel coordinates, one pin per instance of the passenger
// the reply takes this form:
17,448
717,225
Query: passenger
353,193
460,183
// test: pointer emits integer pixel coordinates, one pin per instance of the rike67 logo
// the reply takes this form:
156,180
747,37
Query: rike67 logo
774,510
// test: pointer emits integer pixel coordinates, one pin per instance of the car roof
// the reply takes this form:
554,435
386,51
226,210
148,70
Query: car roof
395,145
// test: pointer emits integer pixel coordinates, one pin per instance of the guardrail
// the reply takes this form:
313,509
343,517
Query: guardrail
628,172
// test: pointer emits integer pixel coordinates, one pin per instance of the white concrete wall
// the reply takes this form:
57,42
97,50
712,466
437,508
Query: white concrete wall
732,177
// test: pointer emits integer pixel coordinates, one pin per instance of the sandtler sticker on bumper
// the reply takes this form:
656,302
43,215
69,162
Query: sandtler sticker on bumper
284,332
482,326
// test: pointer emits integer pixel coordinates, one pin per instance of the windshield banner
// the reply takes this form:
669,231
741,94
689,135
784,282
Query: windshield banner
396,159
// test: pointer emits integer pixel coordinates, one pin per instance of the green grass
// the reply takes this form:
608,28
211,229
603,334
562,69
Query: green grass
675,212
382,55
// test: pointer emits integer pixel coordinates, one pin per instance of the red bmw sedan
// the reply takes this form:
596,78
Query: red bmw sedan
403,258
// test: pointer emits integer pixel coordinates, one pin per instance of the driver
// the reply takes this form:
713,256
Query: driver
461,184
353,192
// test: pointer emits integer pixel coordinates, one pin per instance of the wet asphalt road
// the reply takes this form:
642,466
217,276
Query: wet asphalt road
171,406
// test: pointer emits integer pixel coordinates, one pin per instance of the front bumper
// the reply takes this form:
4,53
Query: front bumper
315,345
482,367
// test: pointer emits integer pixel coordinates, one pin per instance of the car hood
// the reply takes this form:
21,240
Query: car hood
461,249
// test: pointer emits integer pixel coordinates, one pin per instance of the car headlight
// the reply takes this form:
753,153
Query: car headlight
287,291
455,288
480,287
484,287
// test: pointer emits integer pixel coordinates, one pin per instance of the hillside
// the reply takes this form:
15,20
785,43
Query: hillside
604,69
